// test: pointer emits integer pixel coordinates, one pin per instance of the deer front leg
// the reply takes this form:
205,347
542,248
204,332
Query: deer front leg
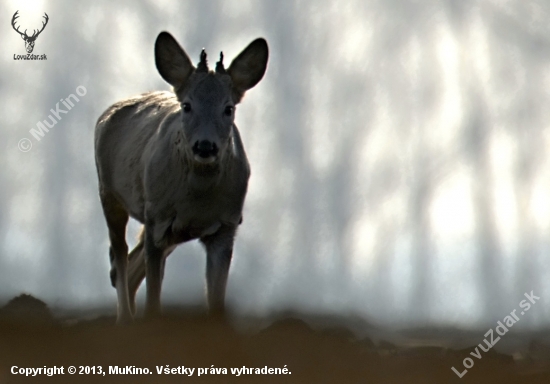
154,272
219,250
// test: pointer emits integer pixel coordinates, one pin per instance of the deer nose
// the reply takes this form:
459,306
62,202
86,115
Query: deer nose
205,148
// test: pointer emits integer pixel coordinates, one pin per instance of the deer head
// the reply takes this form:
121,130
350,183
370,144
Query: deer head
29,40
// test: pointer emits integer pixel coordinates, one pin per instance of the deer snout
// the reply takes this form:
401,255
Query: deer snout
205,150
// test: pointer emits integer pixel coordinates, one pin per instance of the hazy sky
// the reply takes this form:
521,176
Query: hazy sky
399,153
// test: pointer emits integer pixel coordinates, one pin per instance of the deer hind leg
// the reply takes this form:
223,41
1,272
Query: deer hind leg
117,218
136,272
154,272
137,269
219,251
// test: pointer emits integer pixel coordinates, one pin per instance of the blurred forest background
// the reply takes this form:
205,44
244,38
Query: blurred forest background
399,151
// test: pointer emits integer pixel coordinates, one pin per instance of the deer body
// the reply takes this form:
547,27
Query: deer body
176,163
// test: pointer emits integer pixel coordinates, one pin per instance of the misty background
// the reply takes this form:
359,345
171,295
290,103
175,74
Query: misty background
399,154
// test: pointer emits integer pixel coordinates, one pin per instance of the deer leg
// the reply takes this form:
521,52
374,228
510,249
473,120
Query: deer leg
117,218
154,271
136,270
219,250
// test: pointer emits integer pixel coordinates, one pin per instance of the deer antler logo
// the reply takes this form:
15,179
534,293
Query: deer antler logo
29,40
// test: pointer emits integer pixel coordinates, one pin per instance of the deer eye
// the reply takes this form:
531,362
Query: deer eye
229,110
186,107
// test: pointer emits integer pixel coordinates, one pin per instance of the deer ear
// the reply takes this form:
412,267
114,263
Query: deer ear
247,69
172,62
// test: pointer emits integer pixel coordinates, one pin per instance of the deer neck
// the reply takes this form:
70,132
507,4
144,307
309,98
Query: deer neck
202,178
198,178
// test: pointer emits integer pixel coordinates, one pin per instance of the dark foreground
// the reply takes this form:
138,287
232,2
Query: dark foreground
193,341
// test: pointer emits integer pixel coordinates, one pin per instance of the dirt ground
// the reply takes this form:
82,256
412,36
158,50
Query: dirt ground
191,340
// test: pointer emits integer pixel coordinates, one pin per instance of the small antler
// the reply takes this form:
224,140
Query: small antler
203,64
15,16
219,65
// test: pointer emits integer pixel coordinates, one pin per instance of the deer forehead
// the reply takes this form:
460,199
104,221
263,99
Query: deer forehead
210,89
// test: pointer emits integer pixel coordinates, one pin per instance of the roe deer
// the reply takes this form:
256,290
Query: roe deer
175,162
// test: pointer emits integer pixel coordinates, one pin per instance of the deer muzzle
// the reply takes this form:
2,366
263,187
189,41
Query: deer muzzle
205,151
